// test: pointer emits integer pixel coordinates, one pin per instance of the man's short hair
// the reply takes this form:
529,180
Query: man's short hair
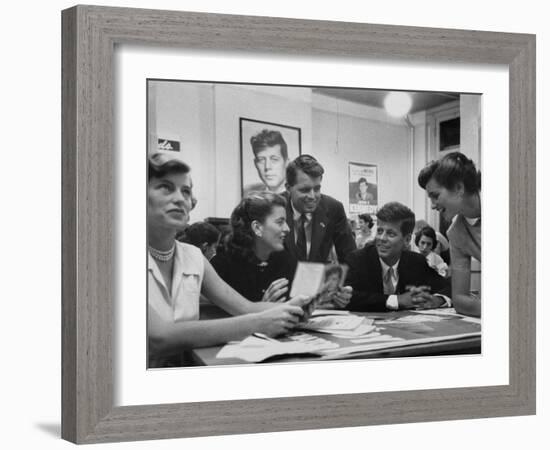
268,138
307,164
395,212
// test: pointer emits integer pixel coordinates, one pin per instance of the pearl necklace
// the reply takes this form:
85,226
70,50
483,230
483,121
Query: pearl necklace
162,256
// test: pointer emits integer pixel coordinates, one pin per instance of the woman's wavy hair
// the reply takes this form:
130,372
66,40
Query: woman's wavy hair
367,218
450,170
255,206
160,165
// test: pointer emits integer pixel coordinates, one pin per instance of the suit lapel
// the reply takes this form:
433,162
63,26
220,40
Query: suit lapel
404,270
376,269
290,240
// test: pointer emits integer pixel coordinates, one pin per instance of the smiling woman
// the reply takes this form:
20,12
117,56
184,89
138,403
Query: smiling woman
254,262
453,185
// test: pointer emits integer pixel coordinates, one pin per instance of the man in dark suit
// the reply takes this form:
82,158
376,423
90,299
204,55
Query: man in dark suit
385,276
316,221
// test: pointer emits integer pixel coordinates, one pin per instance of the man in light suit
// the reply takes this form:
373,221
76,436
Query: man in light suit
386,276
317,222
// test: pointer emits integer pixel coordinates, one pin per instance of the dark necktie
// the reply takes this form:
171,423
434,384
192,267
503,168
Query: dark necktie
388,282
301,240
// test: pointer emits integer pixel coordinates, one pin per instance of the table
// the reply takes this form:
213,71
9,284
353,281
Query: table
447,333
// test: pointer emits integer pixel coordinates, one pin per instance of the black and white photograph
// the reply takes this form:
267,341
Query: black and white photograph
272,197
266,149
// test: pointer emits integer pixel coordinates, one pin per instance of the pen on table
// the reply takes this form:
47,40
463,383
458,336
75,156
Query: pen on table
264,336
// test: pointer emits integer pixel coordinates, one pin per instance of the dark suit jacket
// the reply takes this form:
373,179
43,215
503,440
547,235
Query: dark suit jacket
329,227
365,277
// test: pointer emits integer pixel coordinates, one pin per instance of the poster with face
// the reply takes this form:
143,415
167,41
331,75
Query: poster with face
363,188
266,149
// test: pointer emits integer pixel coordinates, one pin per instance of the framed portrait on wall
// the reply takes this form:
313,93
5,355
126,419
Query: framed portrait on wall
266,149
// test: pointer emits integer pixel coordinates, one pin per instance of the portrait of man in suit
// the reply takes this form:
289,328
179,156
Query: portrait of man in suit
270,160
317,222
386,276
266,149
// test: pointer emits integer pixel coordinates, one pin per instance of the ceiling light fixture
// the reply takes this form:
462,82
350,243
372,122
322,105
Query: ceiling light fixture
398,104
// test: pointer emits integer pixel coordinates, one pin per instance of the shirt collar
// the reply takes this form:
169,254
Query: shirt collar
297,214
385,267
472,221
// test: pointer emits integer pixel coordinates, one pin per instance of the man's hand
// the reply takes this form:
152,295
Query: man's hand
425,300
336,300
405,301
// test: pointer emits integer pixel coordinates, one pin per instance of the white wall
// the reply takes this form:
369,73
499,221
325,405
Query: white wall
30,226
340,139
205,119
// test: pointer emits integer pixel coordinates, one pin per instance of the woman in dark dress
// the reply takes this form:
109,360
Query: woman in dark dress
254,262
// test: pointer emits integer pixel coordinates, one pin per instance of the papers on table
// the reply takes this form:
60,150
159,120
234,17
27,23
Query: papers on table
340,325
257,348
449,312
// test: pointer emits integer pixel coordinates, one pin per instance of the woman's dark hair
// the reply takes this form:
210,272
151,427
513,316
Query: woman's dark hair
450,170
160,165
255,206
428,232
362,180
367,219
199,233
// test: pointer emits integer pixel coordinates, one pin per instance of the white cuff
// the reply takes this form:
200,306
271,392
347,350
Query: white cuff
448,302
392,303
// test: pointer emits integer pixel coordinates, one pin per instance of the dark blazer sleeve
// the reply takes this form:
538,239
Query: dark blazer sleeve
344,243
365,278
415,271
439,284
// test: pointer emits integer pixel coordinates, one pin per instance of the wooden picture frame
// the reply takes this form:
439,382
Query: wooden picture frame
90,34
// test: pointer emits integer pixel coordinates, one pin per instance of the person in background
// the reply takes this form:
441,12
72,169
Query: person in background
364,233
442,247
270,159
426,242
453,185
178,273
203,235
387,276
254,261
